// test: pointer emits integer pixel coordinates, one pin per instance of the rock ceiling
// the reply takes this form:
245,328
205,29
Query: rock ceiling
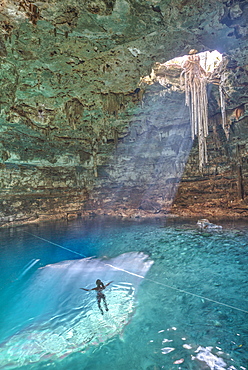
81,133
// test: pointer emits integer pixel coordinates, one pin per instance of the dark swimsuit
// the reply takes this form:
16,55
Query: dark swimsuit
100,295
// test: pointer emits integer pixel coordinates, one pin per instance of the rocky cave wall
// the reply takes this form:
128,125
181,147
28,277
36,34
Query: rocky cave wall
80,134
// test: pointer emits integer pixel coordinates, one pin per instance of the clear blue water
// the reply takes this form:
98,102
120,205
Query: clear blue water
189,312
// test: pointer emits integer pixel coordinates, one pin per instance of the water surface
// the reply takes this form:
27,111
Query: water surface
189,312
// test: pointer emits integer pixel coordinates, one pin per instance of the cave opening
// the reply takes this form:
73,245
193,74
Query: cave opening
192,73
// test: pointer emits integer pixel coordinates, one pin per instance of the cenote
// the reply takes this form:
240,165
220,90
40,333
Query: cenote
178,299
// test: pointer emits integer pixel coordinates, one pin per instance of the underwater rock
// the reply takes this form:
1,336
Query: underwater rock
205,224
205,356
180,361
54,318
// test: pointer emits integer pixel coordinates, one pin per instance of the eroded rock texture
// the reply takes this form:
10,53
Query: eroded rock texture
81,134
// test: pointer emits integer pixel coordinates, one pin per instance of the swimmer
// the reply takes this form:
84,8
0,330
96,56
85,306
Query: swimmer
100,296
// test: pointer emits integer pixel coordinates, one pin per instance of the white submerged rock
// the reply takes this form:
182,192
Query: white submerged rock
206,225
54,317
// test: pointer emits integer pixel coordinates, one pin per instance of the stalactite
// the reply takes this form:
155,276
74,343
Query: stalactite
223,109
115,133
197,70
31,10
195,81
94,155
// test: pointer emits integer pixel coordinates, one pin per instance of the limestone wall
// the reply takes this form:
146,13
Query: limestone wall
78,131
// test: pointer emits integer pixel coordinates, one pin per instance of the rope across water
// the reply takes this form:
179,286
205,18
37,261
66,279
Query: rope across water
57,245
142,277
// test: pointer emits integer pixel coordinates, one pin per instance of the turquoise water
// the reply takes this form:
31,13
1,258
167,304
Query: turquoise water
190,311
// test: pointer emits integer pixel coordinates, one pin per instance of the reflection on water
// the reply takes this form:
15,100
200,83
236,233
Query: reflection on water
45,314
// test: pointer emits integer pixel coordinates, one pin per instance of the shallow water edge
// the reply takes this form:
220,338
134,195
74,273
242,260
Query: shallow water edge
134,214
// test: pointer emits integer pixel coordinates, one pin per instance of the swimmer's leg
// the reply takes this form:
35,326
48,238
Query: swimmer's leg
99,305
105,303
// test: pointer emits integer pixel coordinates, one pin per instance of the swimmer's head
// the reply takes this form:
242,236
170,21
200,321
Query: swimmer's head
98,282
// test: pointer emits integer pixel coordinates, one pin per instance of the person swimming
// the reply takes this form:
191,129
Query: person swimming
100,296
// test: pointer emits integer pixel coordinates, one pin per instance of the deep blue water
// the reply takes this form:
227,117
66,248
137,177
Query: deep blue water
189,312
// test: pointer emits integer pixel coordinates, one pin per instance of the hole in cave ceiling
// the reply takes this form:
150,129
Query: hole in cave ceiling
192,73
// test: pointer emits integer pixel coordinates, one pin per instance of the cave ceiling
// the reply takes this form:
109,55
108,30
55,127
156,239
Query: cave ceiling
71,93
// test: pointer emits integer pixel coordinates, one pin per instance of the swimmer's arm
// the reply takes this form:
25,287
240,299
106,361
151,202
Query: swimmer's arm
108,283
87,290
